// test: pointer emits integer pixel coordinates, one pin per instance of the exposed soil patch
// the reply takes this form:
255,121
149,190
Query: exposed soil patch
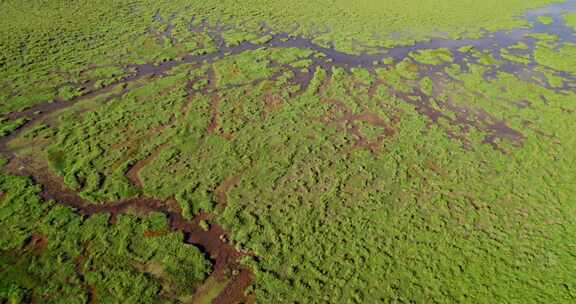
37,244
134,173
272,103
215,106
234,289
350,122
221,192
523,104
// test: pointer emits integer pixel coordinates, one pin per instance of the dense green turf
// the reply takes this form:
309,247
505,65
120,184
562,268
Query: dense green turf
440,173
571,20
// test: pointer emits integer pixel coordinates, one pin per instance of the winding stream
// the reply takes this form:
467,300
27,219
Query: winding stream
223,254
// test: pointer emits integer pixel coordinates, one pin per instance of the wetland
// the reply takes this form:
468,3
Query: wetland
200,152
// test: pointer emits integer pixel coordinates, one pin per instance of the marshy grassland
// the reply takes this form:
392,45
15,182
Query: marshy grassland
287,151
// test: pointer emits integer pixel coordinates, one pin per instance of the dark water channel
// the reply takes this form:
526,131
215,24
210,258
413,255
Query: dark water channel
491,43
224,253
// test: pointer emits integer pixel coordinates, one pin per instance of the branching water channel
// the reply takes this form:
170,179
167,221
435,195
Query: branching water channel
213,241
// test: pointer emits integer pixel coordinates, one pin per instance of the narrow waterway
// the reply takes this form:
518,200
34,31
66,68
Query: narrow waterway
224,255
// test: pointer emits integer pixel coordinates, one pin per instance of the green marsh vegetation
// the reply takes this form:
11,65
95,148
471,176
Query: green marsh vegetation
440,172
393,21
570,20
50,253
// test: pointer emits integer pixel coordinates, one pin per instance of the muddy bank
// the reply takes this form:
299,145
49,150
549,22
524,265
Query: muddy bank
214,241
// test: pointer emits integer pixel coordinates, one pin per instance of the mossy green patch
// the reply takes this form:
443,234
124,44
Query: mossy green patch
433,57
546,20
561,59
570,20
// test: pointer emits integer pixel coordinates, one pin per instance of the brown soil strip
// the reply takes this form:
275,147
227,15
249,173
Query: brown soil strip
221,192
351,126
215,105
226,258
134,142
189,99
374,88
134,173
272,103
234,289
214,242
530,126
37,244
523,104
213,126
